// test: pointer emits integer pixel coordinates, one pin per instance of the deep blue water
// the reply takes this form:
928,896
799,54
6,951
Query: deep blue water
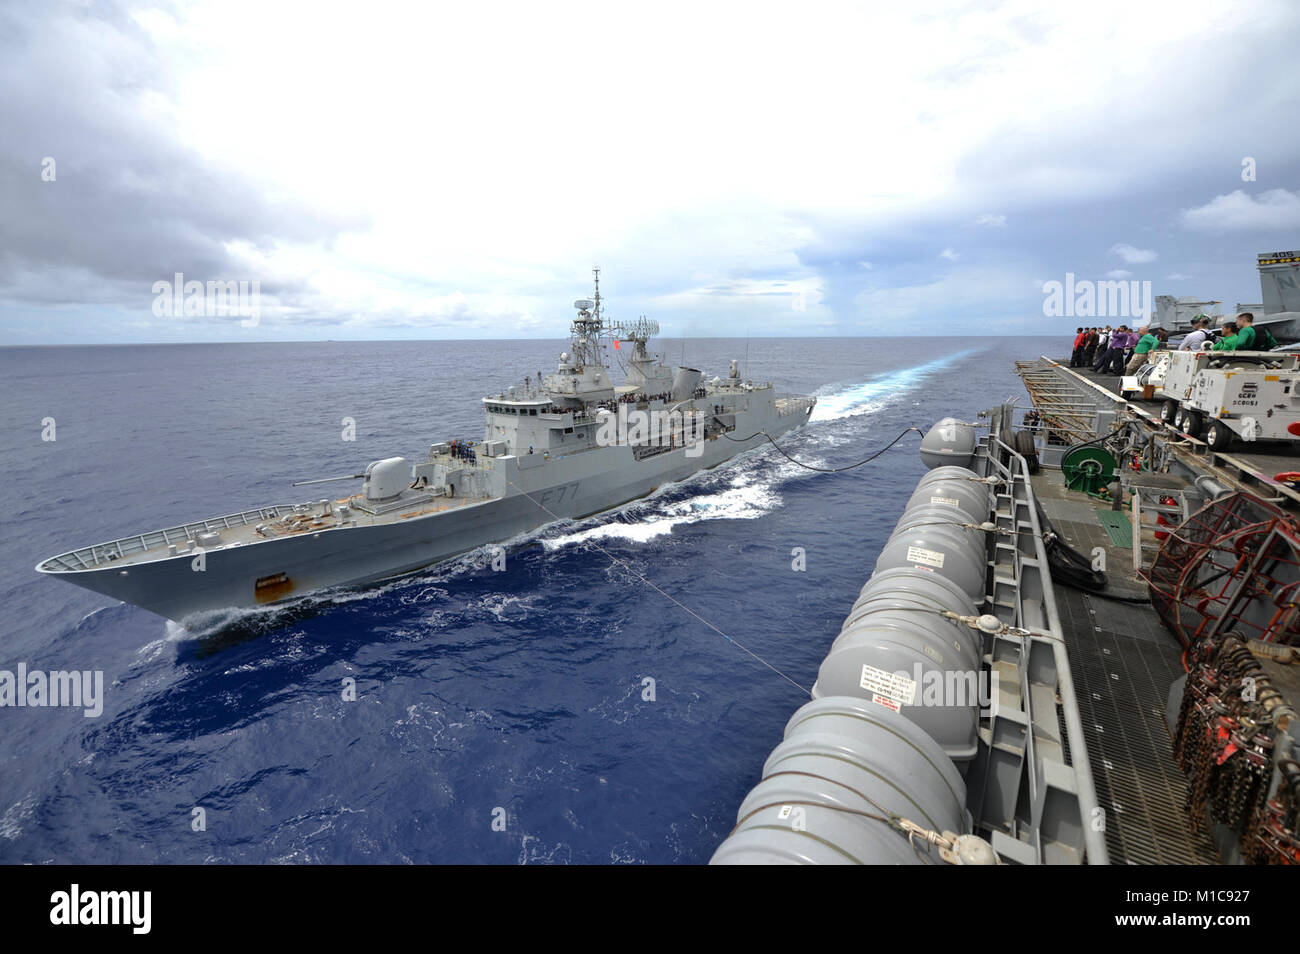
477,689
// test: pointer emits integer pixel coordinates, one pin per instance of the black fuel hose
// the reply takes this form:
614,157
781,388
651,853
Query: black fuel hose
1071,568
1095,440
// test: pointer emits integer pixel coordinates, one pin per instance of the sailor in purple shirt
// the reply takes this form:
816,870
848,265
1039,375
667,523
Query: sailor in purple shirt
1113,360
1130,339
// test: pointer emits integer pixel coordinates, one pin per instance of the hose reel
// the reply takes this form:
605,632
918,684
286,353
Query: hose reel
1088,468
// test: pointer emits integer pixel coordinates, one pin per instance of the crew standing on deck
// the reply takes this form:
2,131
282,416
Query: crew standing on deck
1246,332
1228,341
1113,359
1076,355
1199,334
1126,350
1090,346
1147,342
1264,340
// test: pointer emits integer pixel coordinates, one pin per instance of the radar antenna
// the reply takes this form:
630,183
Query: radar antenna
637,332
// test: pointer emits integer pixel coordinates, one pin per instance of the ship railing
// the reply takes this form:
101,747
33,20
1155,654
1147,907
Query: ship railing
1033,788
480,461
88,558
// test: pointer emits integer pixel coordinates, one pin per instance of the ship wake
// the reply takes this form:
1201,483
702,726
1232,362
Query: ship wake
879,392
744,497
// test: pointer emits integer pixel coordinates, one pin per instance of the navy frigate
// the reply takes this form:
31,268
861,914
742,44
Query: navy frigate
565,445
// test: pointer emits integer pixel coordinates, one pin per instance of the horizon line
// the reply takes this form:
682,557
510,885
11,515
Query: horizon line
163,344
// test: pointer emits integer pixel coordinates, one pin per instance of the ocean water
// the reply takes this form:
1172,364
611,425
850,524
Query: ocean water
481,695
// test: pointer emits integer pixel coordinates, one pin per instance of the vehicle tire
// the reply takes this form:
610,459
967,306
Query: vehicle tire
1169,411
1193,423
1023,442
1179,417
1218,436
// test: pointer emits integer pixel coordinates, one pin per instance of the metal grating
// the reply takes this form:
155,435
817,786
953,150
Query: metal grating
1118,527
1122,679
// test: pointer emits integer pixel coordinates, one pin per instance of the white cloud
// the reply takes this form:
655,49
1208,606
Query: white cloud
1176,277
489,166
1119,273
984,293
1274,210
767,305
1133,256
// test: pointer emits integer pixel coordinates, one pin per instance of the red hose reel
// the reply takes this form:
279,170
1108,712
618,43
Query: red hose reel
1233,566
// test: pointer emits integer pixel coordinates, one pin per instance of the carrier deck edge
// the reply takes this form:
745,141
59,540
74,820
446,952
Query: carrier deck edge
1119,731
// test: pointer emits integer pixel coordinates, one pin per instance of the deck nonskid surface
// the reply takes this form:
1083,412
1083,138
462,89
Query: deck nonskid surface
1123,661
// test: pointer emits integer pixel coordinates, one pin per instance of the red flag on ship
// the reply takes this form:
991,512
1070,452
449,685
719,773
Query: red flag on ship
615,344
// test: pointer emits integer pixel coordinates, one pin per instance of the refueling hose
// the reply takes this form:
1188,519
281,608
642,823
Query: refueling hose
1071,568
1095,440
821,470
1068,565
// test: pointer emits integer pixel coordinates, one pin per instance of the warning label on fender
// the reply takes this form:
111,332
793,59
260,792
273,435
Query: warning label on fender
886,702
922,555
894,686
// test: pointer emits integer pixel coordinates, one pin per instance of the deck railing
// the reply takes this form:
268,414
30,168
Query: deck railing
87,558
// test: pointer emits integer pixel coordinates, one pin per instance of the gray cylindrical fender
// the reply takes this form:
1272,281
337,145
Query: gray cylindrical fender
946,550
973,500
916,663
844,761
948,442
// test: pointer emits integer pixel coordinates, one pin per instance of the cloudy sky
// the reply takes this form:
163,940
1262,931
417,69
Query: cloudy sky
431,170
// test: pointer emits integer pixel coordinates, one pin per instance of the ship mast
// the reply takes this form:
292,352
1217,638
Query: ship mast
587,329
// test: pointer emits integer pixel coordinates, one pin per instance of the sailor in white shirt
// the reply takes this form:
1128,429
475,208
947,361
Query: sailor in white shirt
1198,335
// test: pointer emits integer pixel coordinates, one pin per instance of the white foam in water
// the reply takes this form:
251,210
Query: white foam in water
172,633
95,611
745,499
872,395
506,608
11,823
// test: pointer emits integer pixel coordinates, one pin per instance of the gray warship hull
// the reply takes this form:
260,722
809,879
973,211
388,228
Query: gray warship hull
245,569
568,445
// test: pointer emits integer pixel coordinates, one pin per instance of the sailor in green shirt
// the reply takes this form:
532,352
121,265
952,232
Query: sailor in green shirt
1228,341
1245,332
1142,350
